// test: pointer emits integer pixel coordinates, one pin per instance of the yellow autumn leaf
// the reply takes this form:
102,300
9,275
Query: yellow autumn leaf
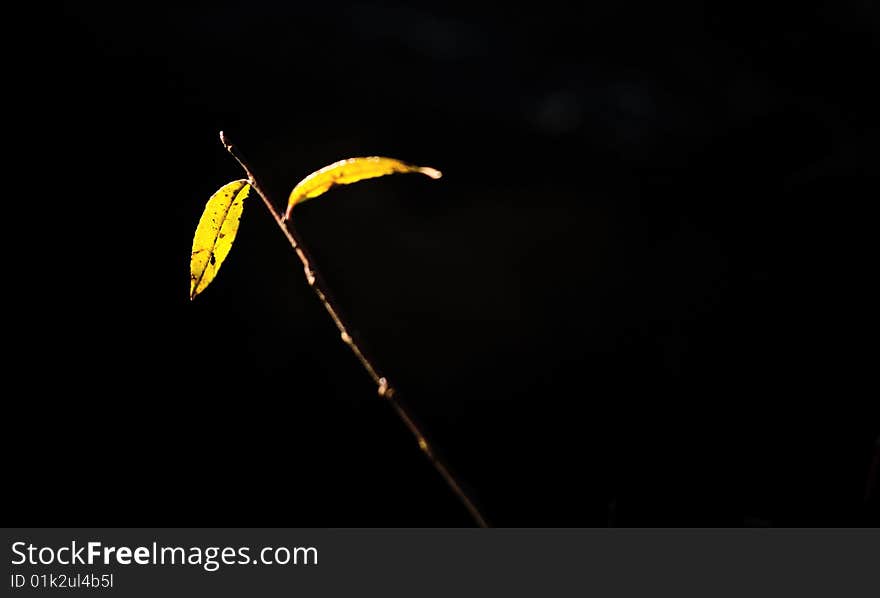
215,233
349,171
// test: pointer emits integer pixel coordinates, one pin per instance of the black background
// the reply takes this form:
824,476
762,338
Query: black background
637,297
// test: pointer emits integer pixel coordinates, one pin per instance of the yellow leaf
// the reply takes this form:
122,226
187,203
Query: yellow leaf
215,233
349,171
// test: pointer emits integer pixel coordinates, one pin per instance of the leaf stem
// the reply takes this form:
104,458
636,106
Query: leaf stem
383,387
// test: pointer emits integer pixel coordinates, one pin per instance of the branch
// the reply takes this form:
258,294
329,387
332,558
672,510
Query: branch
383,387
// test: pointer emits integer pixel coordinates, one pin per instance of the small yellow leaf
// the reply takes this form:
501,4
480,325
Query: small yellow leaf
215,233
349,171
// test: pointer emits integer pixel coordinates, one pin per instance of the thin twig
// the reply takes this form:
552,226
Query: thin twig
383,387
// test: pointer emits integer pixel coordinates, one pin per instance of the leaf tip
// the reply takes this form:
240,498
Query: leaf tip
431,172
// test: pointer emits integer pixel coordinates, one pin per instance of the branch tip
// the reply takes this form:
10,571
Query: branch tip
384,389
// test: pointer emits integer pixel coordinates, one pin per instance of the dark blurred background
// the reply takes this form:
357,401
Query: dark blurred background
636,298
